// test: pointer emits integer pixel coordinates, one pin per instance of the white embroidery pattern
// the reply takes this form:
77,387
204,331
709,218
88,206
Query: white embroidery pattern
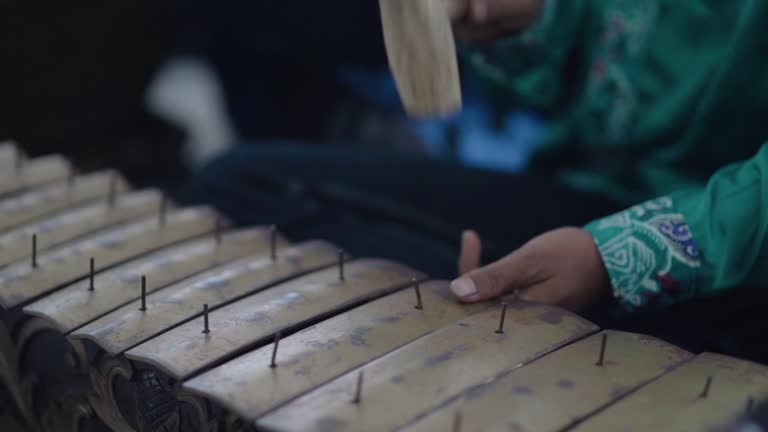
641,244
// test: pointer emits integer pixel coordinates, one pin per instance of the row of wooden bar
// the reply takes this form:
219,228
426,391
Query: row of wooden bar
121,312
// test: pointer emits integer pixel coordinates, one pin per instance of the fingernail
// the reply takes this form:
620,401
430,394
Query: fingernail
463,287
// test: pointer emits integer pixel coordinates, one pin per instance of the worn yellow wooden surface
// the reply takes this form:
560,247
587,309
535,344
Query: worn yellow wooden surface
673,402
185,350
428,372
555,390
127,326
44,200
249,387
74,305
35,172
68,225
20,283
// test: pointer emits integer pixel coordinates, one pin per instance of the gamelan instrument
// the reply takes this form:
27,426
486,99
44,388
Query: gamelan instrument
123,312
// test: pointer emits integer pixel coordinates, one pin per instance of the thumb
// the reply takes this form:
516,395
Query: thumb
471,251
494,280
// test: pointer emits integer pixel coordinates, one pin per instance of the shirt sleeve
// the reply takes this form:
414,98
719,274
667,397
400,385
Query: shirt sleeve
691,243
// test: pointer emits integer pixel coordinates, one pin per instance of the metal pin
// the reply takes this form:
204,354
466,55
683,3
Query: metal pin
503,315
34,251
750,404
359,389
273,242
273,364
163,210
457,421
705,392
206,329
601,357
341,265
419,305
19,163
143,293
91,275
218,231
71,178
112,192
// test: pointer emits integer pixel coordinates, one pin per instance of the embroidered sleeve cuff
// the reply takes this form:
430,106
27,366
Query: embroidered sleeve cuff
650,254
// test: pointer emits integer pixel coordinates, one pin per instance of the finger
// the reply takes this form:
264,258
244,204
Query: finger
493,280
471,252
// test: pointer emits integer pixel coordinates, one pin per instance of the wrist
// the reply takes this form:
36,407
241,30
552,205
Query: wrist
649,254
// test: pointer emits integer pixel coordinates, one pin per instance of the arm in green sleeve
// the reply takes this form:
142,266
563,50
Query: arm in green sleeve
692,243
528,68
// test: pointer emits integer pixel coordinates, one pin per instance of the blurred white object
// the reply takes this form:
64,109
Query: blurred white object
187,93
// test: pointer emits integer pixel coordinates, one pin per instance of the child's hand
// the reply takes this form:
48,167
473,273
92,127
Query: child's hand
479,20
561,267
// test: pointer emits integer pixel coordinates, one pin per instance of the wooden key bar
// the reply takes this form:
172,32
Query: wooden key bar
65,226
566,385
258,317
328,349
34,172
180,302
75,306
430,371
46,200
699,395
21,282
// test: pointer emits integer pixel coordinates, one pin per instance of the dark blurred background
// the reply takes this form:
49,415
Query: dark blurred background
157,88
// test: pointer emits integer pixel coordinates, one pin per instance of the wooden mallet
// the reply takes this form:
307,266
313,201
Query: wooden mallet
422,54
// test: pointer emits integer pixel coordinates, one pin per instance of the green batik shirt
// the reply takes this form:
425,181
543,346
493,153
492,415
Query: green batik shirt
659,102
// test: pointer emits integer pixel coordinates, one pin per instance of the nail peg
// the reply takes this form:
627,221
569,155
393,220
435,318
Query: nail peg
273,364
112,191
273,241
91,275
143,293
707,385
419,304
359,389
206,328
217,233
163,210
19,163
601,356
71,179
504,307
34,251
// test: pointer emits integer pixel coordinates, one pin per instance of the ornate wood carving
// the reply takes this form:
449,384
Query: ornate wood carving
66,416
103,375
10,375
